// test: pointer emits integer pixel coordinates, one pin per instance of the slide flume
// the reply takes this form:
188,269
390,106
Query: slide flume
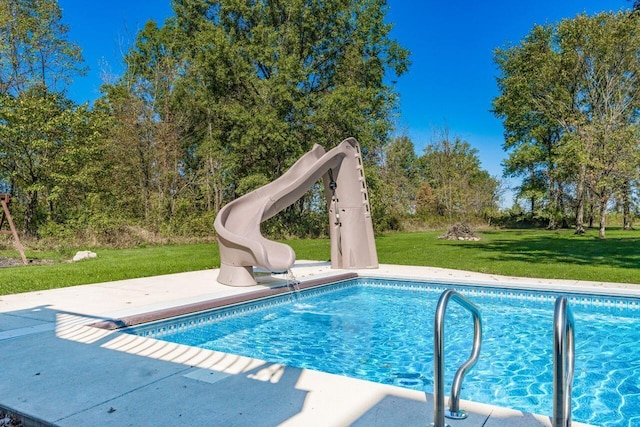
242,245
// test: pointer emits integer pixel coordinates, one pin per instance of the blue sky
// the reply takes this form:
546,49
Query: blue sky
451,81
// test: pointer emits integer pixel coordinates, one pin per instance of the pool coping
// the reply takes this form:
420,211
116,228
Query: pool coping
284,288
212,304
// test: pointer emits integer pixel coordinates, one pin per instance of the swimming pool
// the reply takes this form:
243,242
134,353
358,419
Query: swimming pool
381,330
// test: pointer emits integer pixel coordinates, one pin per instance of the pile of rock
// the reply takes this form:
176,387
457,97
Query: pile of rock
82,255
460,231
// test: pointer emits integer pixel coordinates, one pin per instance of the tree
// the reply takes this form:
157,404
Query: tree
244,89
147,138
400,172
569,96
455,183
49,152
47,144
34,50
284,75
533,78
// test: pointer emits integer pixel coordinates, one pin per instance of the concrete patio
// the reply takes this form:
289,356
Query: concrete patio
57,370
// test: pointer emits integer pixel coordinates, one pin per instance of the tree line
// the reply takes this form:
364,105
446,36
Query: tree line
444,185
224,96
216,101
569,100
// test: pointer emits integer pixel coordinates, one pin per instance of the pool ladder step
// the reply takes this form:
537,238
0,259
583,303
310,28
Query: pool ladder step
454,411
563,360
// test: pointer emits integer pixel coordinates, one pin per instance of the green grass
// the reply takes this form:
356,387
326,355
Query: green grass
557,254
527,253
111,264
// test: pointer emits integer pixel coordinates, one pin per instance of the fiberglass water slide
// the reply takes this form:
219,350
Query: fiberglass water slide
242,246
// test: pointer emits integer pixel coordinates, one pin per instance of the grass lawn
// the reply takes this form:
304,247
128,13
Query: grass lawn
529,253
111,264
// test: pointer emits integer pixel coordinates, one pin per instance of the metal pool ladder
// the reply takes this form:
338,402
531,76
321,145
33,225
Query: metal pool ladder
563,362
454,411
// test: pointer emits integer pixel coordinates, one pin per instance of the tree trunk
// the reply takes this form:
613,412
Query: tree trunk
554,186
580,206
603,210
30,214
533,205
594,206
565,224
553,202
626,207
553,222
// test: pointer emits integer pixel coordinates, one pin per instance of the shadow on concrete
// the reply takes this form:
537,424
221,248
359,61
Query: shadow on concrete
395,410
74,374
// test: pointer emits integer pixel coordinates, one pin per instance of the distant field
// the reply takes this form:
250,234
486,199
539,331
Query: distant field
527,253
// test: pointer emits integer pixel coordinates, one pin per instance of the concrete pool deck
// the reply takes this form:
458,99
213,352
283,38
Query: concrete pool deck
57,370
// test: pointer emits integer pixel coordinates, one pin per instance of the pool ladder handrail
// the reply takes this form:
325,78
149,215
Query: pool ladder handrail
454,411
563,362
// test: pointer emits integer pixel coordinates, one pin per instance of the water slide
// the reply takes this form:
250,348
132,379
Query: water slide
242,245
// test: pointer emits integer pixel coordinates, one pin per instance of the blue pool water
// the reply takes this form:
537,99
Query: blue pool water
382,331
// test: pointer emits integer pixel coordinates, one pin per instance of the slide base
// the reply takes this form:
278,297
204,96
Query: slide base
236,275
